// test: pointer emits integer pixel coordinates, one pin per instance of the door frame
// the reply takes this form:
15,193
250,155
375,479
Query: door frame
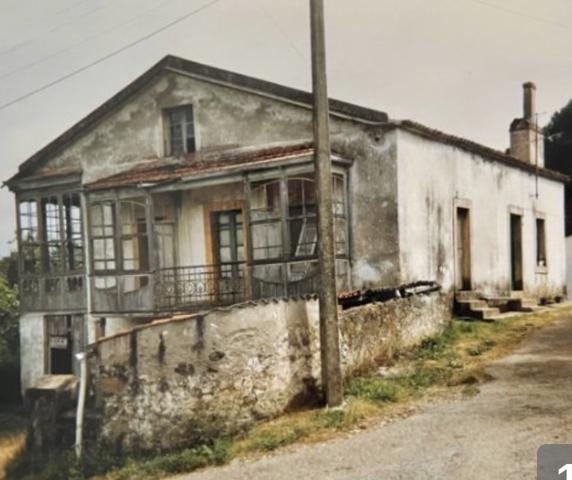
462,204
515,283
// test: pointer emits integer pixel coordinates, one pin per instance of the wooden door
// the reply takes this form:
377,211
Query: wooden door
516,252
463,249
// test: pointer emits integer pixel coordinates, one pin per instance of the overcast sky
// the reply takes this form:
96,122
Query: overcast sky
455,65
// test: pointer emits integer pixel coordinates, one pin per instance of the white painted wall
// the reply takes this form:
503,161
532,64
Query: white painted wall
431,175
32,348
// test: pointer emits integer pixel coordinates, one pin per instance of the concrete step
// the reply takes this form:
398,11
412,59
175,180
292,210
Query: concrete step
486,313
465,305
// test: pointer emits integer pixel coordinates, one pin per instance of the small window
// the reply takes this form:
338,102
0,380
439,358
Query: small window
541,242
181,130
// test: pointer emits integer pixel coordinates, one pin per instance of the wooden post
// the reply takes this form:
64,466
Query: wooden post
329,337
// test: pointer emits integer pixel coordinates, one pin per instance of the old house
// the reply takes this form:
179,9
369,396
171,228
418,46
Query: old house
193,187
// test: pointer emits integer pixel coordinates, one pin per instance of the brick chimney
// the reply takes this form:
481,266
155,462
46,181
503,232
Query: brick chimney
525,136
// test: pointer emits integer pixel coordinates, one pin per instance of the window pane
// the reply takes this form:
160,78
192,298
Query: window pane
340,234
73,232
225,254
28,221
182,130
266,241
303,236
265,201
224,238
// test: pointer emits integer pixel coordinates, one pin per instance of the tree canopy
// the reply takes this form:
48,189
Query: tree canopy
558,152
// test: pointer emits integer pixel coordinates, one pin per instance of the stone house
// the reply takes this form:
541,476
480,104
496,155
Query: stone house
192,187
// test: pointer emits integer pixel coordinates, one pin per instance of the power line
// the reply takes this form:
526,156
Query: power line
109,55
52,30
523,15
81,42
282,32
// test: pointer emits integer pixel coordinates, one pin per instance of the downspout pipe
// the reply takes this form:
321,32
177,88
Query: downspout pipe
82,358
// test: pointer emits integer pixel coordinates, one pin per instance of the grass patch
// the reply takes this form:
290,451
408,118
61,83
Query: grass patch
453,360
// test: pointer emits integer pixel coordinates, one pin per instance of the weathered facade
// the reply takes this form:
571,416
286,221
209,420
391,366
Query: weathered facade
193,187
191,378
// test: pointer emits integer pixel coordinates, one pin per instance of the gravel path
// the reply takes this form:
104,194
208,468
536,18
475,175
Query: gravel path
494,435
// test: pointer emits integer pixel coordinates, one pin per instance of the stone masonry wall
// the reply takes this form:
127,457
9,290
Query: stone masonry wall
173,382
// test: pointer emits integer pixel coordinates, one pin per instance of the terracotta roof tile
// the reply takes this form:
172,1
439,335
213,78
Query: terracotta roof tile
162,171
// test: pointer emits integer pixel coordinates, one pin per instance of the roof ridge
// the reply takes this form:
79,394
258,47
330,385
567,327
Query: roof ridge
206,72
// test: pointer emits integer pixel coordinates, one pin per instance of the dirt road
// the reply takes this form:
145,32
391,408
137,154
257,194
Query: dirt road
494,435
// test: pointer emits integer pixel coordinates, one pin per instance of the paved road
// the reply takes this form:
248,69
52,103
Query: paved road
493,435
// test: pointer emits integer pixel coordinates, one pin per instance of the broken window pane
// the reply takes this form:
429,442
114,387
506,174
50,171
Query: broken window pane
302,217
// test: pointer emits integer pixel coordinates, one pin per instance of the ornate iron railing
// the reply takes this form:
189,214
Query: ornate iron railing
200,285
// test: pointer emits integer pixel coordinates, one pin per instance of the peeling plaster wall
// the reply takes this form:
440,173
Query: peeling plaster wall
373,204
228,117
224,117
172,383
32,348
432,175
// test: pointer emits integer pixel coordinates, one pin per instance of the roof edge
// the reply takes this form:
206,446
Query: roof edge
474,147
206,72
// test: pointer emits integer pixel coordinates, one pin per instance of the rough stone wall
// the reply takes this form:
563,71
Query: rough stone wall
170,383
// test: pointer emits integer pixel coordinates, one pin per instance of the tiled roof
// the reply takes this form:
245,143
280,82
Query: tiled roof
474,147
161,171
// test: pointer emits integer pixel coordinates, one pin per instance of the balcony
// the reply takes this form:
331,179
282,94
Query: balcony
197,286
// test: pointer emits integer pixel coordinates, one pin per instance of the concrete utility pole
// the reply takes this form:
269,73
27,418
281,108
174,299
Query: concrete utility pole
329,337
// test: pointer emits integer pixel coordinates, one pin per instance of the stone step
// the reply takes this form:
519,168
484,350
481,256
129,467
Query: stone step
470,304
486,313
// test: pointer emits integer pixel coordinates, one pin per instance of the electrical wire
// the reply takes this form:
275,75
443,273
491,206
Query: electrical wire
282,32
109,55
523,15
81,42
54,29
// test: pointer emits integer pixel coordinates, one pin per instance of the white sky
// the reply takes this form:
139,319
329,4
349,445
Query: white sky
456,65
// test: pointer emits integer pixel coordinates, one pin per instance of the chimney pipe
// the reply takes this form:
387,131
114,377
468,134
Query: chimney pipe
529,102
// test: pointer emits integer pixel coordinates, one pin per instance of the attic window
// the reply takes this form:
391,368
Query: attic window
181,130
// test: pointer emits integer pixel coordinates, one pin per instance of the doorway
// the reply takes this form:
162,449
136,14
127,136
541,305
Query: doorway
463,249
229,254
59,345
516,252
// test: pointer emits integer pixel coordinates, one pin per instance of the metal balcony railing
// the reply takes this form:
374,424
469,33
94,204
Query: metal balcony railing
200,285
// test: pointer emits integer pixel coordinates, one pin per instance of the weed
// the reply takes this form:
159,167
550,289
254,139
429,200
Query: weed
272,439
374,389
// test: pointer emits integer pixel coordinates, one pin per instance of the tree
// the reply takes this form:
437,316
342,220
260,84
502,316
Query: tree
9,343
558,152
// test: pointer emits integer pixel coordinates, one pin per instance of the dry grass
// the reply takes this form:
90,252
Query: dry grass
12,439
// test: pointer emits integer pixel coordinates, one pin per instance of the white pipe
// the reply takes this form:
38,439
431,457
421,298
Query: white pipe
80,404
